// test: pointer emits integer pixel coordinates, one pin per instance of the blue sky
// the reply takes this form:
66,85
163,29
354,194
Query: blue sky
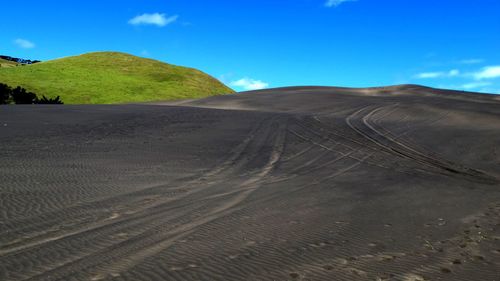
256,44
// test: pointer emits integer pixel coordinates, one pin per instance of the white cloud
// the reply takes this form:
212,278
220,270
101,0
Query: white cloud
249,84
441,74
427,75
489,72
471,61
453,73
25,44
335,3
475,85
153,19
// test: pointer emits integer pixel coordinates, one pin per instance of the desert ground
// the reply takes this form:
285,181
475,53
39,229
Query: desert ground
302,183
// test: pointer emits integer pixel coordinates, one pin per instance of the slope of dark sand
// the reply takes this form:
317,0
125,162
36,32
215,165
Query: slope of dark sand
395,183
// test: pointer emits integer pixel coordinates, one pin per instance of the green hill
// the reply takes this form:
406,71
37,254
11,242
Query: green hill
111,77
7,63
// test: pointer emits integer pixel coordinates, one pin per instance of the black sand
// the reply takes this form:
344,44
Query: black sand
396,183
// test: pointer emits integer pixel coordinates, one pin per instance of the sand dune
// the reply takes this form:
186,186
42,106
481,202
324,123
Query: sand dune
302,183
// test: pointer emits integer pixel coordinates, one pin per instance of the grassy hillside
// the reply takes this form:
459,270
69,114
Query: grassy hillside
7,63
110,77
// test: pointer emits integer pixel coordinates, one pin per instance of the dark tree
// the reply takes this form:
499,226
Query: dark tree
21,96
45,100
5,92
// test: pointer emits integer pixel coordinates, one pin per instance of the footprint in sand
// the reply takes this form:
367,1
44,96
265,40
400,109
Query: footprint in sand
414,277
389,256
250,243
357,272
386,258
445,270
113,216
120,235
478,258
384,277
342,261
232,257
328,267
318,245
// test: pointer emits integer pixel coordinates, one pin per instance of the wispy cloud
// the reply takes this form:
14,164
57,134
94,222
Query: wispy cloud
471,61
475,85
153,19
428,75
479,79
453,73
249,84
336,3
489,72
23,43
440,74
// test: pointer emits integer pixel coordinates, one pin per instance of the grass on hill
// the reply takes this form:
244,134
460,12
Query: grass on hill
111,77
7,63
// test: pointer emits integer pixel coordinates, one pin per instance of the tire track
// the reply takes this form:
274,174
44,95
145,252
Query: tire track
360,123
245,189
350,152
121,256
80,211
